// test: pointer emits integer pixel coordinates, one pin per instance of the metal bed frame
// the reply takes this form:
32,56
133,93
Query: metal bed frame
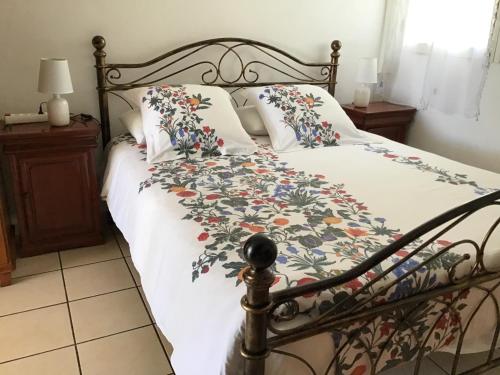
266,311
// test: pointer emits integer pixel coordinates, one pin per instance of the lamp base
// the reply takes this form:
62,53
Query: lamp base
362,96
58,111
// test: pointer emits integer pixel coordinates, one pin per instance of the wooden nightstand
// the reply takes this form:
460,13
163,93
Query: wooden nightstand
382,118
54,184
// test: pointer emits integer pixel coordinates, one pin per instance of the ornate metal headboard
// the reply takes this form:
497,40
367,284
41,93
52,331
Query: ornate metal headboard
291,70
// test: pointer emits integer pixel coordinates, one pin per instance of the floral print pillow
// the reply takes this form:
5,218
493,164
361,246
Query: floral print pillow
301,117
190,121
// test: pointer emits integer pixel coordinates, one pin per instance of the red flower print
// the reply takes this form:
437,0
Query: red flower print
351,200
211,197
220,142
283,205
414,158
444,243
385,329
390,156
354,284
318,138
213,220
205,269
441,324
142,146
197,145
371,275
402,253
276,280
281,221
285,182
210,163
306,280
397,236
203,236
337,200
186,194
341,191
337,136
324,124
261,170
244,225
257,228
320,176
152,169
206,129
198,219
361,207
356,232
449,340
359,370
243,193
257,201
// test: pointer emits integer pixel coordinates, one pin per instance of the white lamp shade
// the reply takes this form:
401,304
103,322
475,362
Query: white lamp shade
367,70
54,76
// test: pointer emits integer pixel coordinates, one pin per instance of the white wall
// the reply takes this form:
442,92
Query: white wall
139,30
472,142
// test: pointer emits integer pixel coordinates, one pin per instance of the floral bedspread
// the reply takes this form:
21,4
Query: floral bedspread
321,230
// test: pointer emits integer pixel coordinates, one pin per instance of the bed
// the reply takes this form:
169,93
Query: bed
351,282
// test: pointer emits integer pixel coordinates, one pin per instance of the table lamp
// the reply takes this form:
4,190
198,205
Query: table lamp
367,74
54,78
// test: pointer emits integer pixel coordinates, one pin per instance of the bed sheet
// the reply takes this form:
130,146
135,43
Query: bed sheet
194,287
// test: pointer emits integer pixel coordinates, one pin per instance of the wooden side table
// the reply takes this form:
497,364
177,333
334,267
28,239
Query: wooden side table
382,118
54,183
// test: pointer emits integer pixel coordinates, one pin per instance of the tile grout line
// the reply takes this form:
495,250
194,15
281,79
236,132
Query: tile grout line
33,309
115,333
145,306
35,354
437,365
62,303
34,274
82,342
70,267
70,317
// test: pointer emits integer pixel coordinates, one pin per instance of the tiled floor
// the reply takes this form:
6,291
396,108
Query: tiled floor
79,311
83,311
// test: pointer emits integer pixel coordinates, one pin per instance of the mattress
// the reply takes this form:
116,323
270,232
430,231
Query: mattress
191,270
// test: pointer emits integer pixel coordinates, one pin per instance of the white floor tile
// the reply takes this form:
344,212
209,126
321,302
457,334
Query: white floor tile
57,362
93,254
466,362
34,332
37,264
111,313
133,352
32,292
99,278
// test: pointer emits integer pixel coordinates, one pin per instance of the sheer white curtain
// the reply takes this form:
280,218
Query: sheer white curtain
434,53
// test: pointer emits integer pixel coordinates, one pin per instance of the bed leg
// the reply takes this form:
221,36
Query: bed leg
260,253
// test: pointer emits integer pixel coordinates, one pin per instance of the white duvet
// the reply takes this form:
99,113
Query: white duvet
203,319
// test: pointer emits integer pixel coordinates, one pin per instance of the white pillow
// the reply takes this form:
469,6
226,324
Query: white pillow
303,116
251,121
133,123
190,121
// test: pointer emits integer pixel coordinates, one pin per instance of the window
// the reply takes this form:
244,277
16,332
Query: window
440,58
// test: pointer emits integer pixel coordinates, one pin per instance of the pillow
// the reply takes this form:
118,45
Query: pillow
303,116
133,123
251,121
190,121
